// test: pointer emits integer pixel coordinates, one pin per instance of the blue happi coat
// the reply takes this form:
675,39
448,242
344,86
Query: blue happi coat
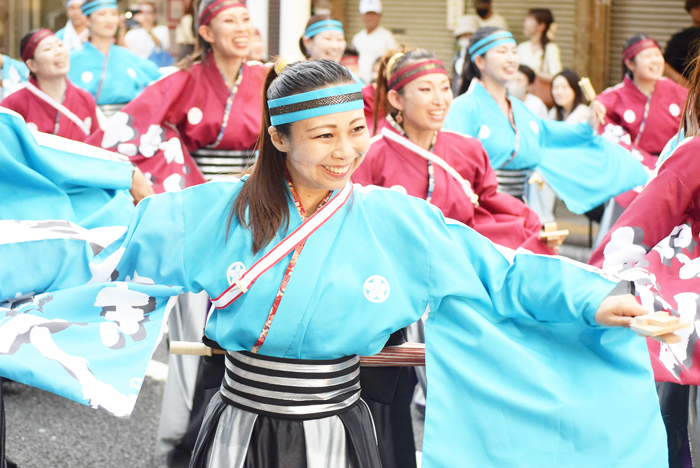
520,375
14,74
48,177
125,75
585,170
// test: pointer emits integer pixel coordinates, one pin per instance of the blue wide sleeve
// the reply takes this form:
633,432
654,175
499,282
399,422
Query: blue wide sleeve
45,256
584,169
515,285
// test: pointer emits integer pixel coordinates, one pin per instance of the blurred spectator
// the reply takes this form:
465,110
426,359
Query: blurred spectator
466,26
76,31
519,87
373,41
568,99
680,49
351,60
540,53
184,33
487,16
149,40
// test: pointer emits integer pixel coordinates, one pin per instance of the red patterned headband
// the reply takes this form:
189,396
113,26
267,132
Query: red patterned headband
630,52
405,75
217,7
33,43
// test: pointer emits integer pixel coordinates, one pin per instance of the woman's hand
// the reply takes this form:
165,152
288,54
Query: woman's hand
618,311
596,114
140,188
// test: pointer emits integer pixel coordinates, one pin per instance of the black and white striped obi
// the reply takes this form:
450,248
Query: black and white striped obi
287,413
513,183
218,162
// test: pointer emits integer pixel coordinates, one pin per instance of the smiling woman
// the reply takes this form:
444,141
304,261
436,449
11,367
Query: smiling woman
50,103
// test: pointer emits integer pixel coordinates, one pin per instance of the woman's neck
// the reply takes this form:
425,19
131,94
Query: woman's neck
645,86
536,41
568,109
228,67
498,93
102,43
54,86
420,136
79,30
309,199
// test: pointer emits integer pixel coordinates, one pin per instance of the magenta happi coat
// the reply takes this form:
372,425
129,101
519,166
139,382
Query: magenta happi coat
642,124
503,219
182,113
656,243
650,122
42,116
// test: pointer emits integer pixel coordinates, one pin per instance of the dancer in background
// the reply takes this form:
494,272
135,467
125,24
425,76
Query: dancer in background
210,109
642,113
583,169
76,31
415,87
50,103
112,74
540,53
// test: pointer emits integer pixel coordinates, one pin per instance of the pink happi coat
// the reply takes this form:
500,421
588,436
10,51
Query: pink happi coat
502,218
42,116
182,113
656,243
642,124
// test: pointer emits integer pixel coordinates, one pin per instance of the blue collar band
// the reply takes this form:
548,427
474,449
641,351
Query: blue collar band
482,46
325,25
315,103
91,6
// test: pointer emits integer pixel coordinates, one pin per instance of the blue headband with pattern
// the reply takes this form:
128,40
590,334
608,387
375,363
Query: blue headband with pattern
482,46
325,25
315,103
94,5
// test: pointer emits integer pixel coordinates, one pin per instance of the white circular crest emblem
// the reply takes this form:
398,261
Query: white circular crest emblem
32,126
131,72
376,289
629,116
534,127
234,272
86,77
194,115
400,189
674,109
484,132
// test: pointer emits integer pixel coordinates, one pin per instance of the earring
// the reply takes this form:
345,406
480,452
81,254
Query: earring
399,118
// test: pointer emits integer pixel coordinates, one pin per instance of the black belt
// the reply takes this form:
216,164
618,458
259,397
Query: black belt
214,162
512,182
291,388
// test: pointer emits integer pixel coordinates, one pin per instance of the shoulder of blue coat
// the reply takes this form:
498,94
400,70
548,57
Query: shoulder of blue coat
10,115
388,201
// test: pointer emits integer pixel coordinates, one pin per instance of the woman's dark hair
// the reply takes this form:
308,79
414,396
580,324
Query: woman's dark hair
527,71
201,47
691,4
470,71
23,45
572,78
629,43
382,107
313,20
262,205
690,122
189,9
543,16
